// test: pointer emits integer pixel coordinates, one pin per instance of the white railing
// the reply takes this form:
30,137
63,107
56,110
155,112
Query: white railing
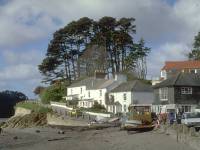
61,105
98,114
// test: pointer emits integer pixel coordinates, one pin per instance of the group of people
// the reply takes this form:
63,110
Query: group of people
164,118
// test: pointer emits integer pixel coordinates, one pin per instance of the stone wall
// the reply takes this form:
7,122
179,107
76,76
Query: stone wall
19,111
53,119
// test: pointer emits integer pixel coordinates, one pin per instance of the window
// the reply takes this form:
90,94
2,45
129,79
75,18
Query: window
89,94
81,90
124,96
186,108
100,92
163,93
163,74
124,108
186,90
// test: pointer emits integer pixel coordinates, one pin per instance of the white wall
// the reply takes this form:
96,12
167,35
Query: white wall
163,74
77,90
95,95
114,109
119,96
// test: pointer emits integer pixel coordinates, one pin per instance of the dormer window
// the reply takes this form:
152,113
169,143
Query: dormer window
186,90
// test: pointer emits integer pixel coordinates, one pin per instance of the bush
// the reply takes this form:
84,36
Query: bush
97,108
52,93
72,103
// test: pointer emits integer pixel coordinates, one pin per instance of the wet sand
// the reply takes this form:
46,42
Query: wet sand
106,139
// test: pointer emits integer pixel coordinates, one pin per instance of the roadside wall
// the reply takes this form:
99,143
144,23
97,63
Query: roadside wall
19,111
60,105
98,114
53,119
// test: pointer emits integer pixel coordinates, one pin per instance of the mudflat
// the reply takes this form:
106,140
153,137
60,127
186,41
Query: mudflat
47,138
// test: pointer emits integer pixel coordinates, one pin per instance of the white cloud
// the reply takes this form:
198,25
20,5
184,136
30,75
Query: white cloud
167,29
32,57
23,21
23,78
19,72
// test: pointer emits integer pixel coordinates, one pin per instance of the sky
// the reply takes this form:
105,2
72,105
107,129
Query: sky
26,27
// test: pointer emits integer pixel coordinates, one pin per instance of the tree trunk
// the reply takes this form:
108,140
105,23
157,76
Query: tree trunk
73,65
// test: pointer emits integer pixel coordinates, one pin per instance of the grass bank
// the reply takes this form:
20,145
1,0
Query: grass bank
33,106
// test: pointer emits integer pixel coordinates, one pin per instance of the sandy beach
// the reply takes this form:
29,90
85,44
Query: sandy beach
76,139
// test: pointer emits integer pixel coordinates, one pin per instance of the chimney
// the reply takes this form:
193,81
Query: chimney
120,77
99,74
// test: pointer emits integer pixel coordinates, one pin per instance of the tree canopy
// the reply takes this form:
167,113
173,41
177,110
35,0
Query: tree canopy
8,100
54,92
86,45
38,90
195,52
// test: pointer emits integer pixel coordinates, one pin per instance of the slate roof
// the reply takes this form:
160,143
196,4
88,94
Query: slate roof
135,85
90,83
180,79
107,83
179,65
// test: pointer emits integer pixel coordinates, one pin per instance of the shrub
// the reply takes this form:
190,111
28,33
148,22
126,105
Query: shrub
52,93
97,107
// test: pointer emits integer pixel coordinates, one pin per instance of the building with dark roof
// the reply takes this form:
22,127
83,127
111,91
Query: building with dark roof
93,89
180,92
135,85
129,93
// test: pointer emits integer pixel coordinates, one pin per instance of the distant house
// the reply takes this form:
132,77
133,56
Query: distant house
173,67
85,91
180,92
93,89
129,93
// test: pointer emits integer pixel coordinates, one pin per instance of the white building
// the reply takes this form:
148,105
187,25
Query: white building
130,93
93,89
116,95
